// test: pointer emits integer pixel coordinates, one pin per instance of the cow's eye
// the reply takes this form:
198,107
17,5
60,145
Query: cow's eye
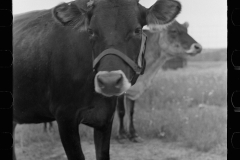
174,31
90,31
138,31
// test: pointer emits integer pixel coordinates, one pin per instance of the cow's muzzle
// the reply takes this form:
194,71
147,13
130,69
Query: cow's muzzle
194,49
113,83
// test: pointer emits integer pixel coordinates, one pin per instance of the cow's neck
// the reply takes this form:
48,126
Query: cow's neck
151,70
155,56
145,80
155,59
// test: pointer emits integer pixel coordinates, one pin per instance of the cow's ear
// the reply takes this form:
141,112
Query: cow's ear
186,24
68,14
163,12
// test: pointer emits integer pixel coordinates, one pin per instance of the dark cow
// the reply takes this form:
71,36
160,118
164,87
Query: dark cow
71,62
162,45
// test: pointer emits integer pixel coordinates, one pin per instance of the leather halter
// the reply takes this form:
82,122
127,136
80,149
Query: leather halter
141,63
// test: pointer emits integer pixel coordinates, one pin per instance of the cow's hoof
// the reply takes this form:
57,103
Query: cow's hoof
136,139
122,141
121,138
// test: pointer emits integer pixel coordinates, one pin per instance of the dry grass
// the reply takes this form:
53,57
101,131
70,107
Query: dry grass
186,105
205,128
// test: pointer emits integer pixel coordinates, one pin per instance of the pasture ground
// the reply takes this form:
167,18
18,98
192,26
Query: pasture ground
182,116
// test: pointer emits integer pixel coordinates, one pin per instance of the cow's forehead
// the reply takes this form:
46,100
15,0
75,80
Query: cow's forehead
107,17
115,3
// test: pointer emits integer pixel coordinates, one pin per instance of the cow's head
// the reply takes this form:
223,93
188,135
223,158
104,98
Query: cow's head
115,32
175,41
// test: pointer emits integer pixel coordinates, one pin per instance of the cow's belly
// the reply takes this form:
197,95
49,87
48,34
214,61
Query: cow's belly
30,109
33,115
32,119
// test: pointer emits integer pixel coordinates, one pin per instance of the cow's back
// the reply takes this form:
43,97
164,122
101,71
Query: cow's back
30,32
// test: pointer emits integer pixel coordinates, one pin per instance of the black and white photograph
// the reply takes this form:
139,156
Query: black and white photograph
119,79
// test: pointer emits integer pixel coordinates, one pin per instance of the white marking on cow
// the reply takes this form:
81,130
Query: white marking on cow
126,84
159,27
192,49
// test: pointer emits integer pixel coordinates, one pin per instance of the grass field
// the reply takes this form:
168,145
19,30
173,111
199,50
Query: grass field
187,105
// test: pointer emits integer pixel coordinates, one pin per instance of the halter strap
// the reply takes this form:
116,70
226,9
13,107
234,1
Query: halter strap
138,68
113,51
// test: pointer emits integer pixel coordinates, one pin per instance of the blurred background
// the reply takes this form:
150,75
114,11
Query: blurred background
183,115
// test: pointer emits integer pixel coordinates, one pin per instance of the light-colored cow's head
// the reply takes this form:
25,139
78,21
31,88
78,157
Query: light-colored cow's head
171,41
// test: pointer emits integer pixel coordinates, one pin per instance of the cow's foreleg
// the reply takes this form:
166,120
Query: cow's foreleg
132,132
122,134
68,129
100,117
102,141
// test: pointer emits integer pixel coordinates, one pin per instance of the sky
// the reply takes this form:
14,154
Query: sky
207,18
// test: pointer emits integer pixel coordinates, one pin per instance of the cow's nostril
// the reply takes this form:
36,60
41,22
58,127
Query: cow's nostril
198,47
100,82
119,81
